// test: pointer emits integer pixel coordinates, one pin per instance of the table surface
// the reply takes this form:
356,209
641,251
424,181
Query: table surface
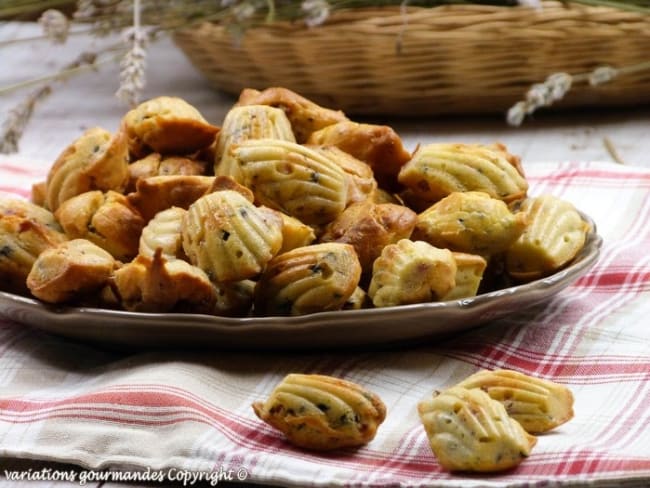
616,135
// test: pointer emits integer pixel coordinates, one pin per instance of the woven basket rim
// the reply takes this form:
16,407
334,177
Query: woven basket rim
444,59
460,18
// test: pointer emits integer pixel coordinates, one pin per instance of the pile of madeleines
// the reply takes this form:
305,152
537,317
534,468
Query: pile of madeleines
287,208
291,208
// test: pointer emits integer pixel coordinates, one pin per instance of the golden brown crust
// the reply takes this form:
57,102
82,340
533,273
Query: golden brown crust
22,240
308,279
294,233
156,284
11,206
369,227
95,161
411,272
39,193
468,431
106,219
156,164
321,412
69,271
377,145
305,116
471,222
469,274
167,125
221,183
158,193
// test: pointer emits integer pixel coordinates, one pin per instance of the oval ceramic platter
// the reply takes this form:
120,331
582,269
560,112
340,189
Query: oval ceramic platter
319,330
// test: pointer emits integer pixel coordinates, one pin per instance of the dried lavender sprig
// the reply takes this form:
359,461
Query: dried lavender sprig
14,125
132,72
132,68
540,95
558,84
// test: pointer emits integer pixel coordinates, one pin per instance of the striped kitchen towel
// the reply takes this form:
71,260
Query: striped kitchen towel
182,413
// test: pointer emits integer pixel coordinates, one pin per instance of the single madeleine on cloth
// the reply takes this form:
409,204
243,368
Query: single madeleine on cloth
321,412
539,405
469,431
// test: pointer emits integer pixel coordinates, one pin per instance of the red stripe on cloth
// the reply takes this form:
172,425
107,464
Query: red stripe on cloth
589,373
615,278
639,175
572,462
106,406
22,170
23,192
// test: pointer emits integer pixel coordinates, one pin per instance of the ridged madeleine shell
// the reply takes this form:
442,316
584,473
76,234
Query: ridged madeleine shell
95,161
361,180
411,272
555,234
470,222
538,405
164,232
294,179
228,237
106,219
308,279
322,412
243,123
69,271
436,170
469,431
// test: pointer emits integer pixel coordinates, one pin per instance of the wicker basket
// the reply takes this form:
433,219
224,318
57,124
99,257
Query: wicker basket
448,59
